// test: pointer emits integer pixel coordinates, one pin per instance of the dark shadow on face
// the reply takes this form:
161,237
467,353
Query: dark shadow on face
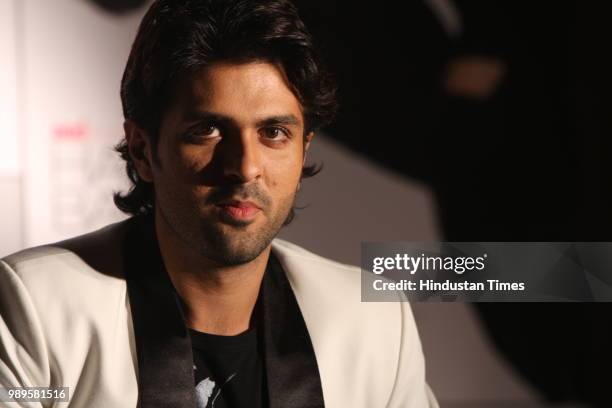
233,134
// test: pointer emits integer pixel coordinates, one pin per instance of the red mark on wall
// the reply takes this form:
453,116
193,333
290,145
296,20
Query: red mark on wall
71,131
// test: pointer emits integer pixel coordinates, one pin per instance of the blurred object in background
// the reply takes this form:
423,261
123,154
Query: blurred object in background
119,6
474,76
390,208
506,117
61,116
10,181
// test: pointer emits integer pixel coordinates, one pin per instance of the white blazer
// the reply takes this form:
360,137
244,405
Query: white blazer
65,321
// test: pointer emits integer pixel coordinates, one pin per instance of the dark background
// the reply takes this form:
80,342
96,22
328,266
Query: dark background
528,161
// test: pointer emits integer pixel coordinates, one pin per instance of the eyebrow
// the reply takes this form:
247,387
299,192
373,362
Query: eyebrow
202,116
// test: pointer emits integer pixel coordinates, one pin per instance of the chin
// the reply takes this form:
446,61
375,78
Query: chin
228,254
231,246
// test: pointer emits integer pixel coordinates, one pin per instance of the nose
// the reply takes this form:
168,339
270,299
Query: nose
242,157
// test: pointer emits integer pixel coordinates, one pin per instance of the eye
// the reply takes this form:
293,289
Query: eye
209,131
202,133
276,133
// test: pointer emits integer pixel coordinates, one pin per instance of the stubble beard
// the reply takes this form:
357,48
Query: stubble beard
226,244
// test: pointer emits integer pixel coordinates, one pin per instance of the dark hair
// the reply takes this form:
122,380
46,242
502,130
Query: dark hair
178,37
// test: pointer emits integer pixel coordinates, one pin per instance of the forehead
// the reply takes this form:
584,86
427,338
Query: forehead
242,91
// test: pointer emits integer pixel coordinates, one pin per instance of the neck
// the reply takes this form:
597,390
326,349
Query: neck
217,299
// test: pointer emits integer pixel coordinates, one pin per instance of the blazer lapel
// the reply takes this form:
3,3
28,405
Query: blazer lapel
165,360
291,366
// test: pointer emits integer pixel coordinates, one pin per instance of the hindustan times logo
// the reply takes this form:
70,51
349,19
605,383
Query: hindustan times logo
412,264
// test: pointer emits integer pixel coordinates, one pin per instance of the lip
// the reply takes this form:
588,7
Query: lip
239,204
239,211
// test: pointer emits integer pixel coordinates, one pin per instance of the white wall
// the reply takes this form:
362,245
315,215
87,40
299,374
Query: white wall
73,59
10,191
9,157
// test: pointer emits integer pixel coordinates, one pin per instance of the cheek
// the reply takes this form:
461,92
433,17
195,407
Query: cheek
285,174
183,165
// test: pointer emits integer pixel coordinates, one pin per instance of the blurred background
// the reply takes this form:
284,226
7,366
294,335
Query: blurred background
461,120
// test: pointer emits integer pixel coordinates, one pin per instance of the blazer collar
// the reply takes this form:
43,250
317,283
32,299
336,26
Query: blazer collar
163,346
164,354
291,367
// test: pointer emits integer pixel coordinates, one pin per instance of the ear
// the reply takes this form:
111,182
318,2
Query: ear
308,138
139,146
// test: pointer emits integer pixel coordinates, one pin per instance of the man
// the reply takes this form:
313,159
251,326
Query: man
192,302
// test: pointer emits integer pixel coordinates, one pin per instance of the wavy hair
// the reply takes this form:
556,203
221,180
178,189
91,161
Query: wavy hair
178,37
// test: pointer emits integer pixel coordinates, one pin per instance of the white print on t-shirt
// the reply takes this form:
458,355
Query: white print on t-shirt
205,389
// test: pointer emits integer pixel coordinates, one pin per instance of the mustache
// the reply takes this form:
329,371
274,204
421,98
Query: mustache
241,192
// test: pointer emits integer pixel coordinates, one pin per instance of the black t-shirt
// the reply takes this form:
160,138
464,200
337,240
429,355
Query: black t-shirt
228,370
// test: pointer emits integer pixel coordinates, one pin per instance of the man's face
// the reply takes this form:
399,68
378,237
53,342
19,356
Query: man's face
231,150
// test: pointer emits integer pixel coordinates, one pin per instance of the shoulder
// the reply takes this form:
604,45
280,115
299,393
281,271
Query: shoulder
64,315
382,334
325,283
288,249
61,284
97,254
301,265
